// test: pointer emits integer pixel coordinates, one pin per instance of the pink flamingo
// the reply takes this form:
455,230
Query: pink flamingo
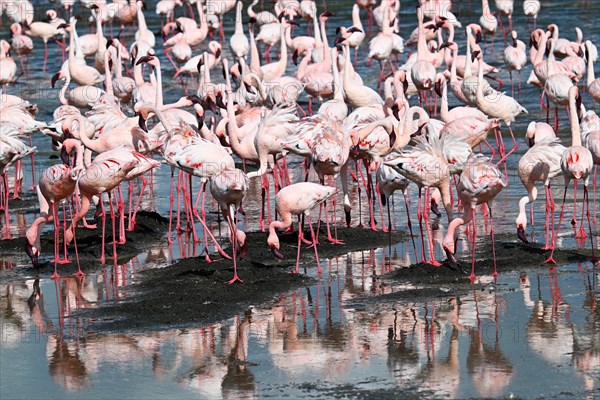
228,188
297,199
515,58
479,183
540,164
576,163
56,184
99,177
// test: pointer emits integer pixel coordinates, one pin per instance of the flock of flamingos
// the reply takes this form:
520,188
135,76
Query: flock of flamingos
112,125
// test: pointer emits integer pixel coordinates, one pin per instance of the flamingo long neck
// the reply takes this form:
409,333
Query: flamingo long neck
232,128
138,76
573,113
119,66
356,22
480,97
590,67
456,222
72,48
301,71
444,189
202,20
283,58
444,110
421,42
99,33
108,86
386,29
161,117
486,8
554,31
239,28
347,80
551,60
141,19
468,62
159,93
63,91
254,57
93,145
317,31
326,50
539,57
453,76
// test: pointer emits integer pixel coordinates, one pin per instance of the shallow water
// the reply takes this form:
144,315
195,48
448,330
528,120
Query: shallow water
318,339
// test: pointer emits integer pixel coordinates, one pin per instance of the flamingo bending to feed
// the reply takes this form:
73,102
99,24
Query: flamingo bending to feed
479,183
228,188
540,164
576,163
297,199
56,184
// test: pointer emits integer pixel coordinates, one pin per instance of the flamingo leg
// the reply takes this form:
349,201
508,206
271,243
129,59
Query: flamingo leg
550,259
472,276
300,234
102,256
6,234
313,237
114,228
171,199
137,205
233,230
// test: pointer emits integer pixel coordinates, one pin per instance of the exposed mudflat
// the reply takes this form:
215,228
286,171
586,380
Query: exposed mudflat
193,291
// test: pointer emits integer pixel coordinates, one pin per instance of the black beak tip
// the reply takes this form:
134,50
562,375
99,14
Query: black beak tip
521,234
435,209
277,253
348,218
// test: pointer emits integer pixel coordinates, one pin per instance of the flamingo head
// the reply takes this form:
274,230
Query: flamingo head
521,223
51,15
514,38
273,242
434,208
449,245
149,58
33,253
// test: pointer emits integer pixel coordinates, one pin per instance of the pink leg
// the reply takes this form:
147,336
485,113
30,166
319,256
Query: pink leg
233,230
171,199
472,276
550,259
102,256
312,235
137,205
114,228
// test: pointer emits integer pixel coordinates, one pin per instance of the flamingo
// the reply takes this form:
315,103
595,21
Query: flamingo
541,163
576,163
12,149
425,164
81,74
44,31
557,85
56,184
8,67
99,177
423,71
380,47
531,8
354,34
356,95
488,21
297,199
515,58
20,43
593,85
499,105
238,41
204,159
479,183
335,109
506,8
538,131
228,188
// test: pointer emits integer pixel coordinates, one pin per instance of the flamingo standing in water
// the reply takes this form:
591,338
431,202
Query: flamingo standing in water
297,199
531,8
576,163
99,177
540,164
423,71
515,58
56,184
479,183
228,188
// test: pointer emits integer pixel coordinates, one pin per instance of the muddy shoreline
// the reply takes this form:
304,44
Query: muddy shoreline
192,291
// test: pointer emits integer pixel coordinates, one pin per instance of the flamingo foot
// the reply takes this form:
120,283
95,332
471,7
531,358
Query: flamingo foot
235,279
495,275
472,278
55,276
80,274
61,261
581,234
334,241
550,260
435,263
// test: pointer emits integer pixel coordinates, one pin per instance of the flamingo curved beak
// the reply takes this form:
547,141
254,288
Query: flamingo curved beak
450,256
521,234
277,253
243,251
33,255
435,209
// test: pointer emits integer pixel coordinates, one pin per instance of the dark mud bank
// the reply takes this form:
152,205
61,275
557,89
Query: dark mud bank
192,291
150,228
